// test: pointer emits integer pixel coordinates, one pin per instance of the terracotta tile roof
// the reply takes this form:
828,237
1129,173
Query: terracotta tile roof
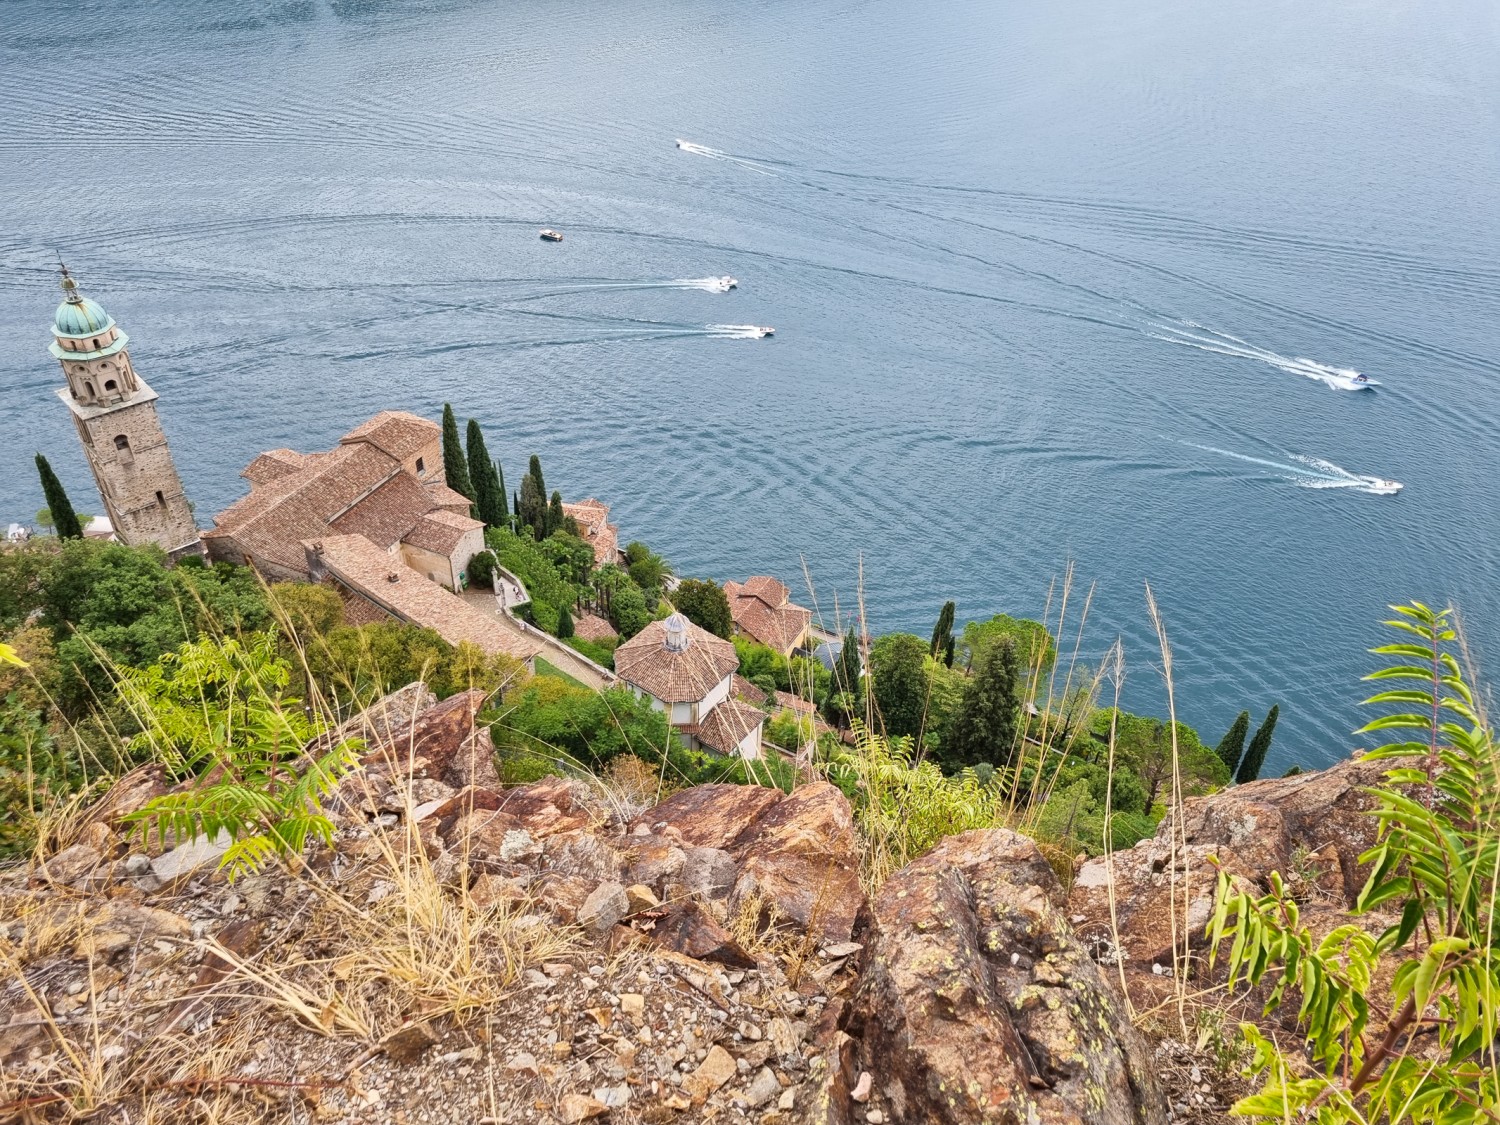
440,531
591,627
789,702
743,689
388,514
726,726
592,517
273,465
395,432
645,662
444,497
358,564
761,611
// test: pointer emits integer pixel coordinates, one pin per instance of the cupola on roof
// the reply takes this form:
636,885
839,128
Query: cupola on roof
77,315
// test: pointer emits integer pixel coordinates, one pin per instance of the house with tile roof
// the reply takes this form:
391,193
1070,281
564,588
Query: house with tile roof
689,674
375,519
592,518
383,481
763,611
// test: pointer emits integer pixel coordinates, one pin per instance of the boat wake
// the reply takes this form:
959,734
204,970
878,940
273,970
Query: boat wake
738,331
1312,472
707,284
1191,334
720,154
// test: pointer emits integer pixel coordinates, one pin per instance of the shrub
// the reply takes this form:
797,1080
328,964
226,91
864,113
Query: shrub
1435,863
481,570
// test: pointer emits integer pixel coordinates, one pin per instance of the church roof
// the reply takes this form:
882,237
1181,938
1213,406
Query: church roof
79,316
395,432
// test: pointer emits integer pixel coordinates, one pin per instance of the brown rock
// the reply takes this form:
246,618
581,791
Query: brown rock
554,804
580,1107
565,895
715,1070
957,1025
494,890
408,1044
121,925
654,861
70,864
641,897
686,928
710,816
800,855
605,905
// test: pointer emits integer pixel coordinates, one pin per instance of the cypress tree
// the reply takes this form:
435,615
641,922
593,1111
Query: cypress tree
64,519
846,668
985,725
489,489
564,623
1255,757
455,468
532,507
948,651
500,490
942,631
536,475
515,506
1231,747
555,514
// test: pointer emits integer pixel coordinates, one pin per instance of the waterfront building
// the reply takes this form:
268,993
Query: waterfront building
114,411
763,612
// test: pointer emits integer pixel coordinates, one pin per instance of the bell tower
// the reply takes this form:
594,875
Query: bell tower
115,413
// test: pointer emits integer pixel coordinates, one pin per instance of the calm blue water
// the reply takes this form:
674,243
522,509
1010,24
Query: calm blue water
1029,265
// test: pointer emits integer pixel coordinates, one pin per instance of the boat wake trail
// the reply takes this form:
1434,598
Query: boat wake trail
719,154
1311,472
1191,334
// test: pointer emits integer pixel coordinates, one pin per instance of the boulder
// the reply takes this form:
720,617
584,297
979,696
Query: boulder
685,927
1313,824
977,1004
606,904
709,816
70,864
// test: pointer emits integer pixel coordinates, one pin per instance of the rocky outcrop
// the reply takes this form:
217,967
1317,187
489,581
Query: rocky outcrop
1312,828
977,1005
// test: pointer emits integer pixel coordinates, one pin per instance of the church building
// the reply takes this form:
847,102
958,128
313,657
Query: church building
114,411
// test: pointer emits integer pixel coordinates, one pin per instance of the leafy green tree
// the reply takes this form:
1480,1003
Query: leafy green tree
942,632
489,490
1255,756
311,610
455,467
648,570
564,623
220,709
986,726
898,681
481,570
705,605
573,558
1035,648
1231,747
1144,746
628,612
1414,1044
58,504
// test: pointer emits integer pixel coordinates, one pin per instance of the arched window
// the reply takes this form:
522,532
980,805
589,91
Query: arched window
111,385
89,387
122,442
96,343
160,499
123,452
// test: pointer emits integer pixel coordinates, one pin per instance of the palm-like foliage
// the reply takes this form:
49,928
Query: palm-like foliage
218,710
1423,1051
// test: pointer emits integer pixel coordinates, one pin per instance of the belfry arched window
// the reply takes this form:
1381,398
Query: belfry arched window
111,385
89,387
122,448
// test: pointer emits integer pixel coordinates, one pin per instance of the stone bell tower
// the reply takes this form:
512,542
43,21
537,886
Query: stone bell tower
115,412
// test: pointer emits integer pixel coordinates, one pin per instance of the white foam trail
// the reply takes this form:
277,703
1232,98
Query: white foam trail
736,331
720,154
1312,472
707,284
1193,335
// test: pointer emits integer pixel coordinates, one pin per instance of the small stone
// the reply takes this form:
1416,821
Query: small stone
561,1050
137,864
605,906
408,1044
579,1107
613,1096
861,1091
875,1117
787,1101
763,1087
632,1004
523,1063
716,1069
843,949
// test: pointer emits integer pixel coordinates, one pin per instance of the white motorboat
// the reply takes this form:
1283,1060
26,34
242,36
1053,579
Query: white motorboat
1350,381
550,235
728,282
1382,487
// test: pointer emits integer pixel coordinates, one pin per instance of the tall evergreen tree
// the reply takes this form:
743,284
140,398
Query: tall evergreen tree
532,507
500,488
63,516
536,475
1255,756
1231,747
515,506
455,468
489,490
948,650
555,514
985,726
846,668
942,632
564,623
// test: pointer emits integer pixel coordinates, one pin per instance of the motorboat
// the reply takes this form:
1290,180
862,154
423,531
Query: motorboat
1350,381
728,282
763,332
550,235
1382,487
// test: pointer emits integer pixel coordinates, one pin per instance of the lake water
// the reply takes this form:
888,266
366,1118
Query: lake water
1050,282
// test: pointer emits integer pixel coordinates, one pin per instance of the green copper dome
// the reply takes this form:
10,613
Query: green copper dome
79,316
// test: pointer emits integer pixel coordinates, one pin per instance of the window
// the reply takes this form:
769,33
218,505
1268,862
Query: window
96,343
160,499
88,388
421,468
111,385
122,442
125,456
